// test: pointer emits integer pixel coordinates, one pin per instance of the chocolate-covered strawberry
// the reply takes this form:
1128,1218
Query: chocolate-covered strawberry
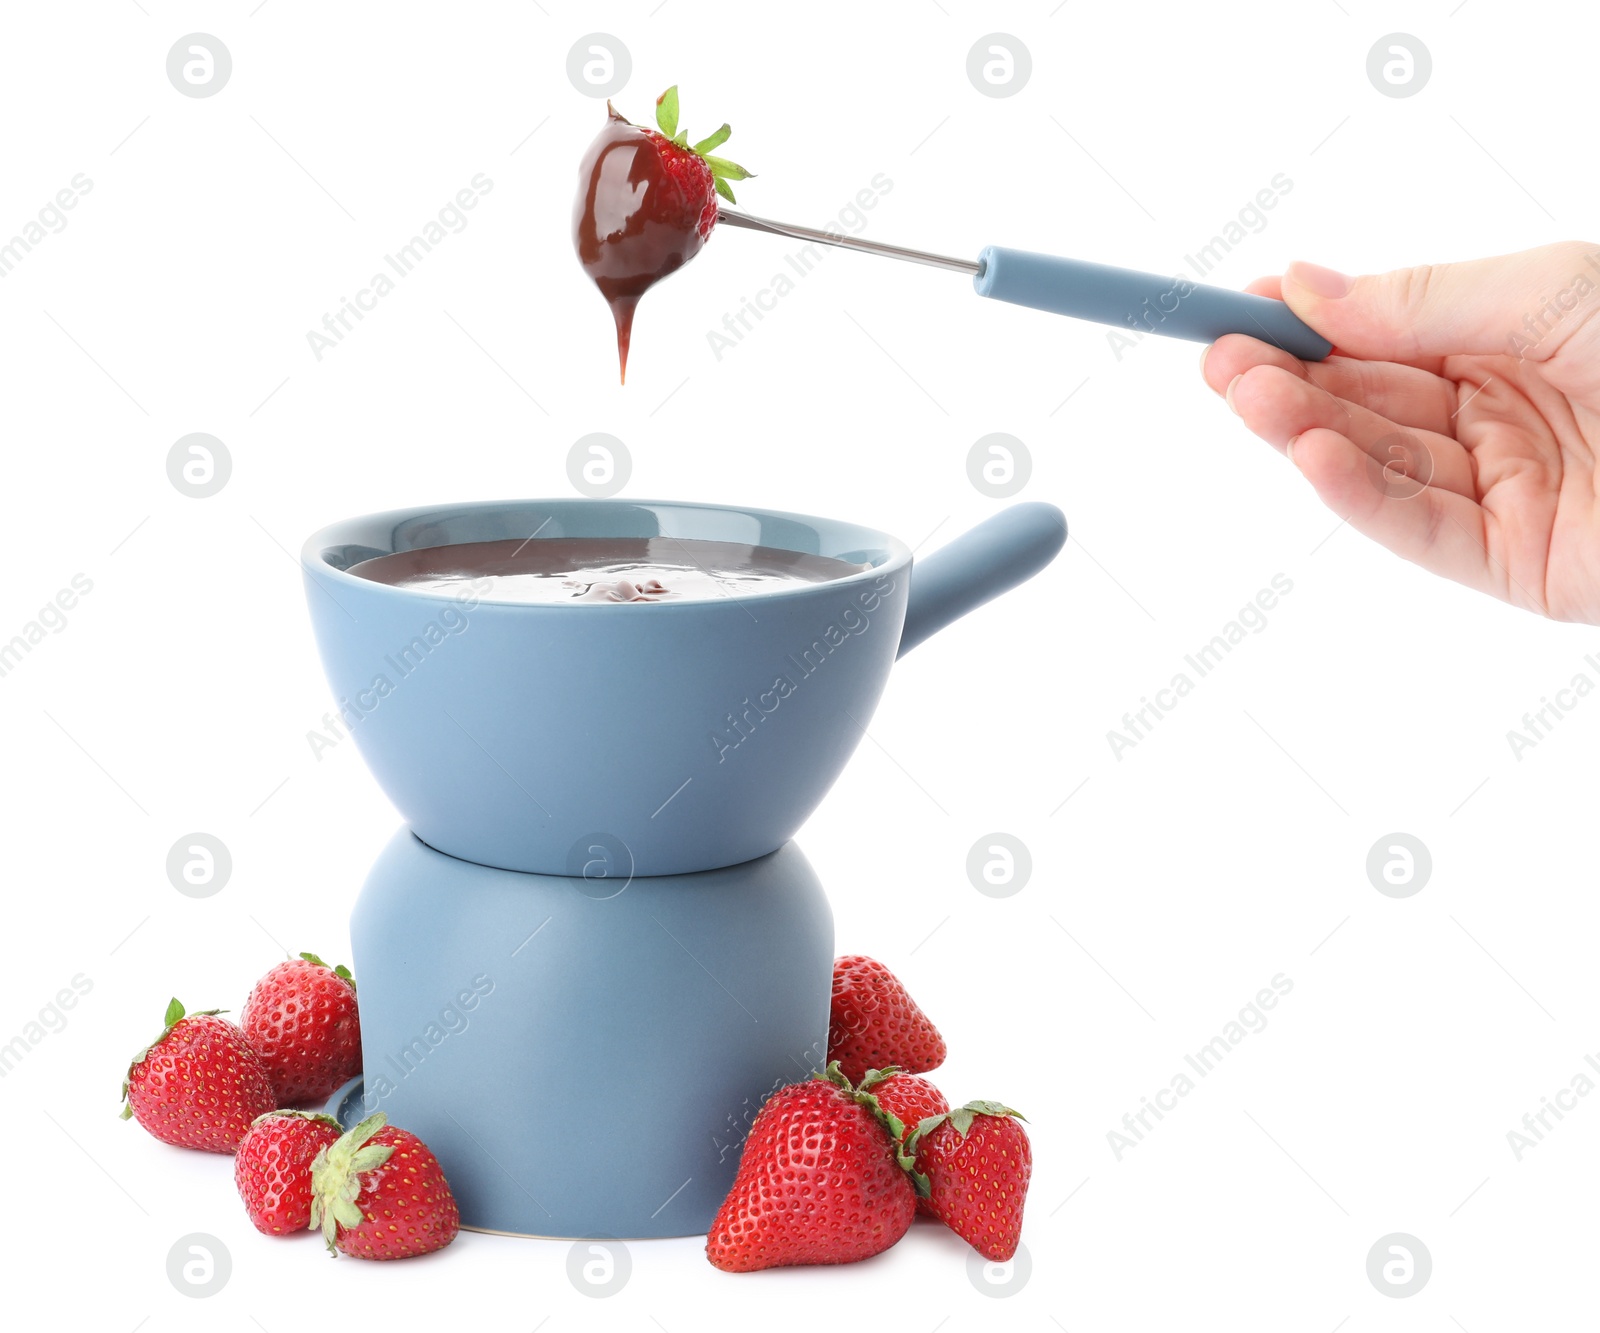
646,203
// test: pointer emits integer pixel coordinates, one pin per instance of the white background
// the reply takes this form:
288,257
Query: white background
1228,847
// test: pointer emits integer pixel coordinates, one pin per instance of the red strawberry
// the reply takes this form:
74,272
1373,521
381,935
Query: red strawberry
646,203
272,1168
302,1019
974,1164
818,1183
875,1024
907,1101
378,1193
197,1085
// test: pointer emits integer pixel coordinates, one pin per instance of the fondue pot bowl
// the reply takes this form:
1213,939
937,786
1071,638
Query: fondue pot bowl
609,740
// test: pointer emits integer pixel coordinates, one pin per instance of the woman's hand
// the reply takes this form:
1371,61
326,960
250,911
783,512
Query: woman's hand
1457,421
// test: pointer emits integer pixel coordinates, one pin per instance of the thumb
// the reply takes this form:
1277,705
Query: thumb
1529,305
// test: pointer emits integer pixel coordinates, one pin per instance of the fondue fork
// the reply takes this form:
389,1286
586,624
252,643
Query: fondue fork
1142,303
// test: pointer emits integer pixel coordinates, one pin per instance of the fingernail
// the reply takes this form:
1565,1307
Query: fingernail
1204,353
1229,394
1318,280
1288,449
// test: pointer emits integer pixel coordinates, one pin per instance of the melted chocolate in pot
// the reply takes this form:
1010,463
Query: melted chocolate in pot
602,569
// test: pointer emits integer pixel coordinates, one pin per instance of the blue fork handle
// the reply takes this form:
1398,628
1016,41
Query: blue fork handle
1141,303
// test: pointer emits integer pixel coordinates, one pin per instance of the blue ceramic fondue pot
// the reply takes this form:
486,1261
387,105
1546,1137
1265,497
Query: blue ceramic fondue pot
656,738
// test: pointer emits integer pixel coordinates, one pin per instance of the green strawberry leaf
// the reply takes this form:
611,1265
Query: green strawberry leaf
873,1077
355,1139
893,1126
336,1177
833,1074
288,1113
371,1157
963,1116
721,187
723,169
667,111
906,1159
713,140
907,1154
174,1012
897,1126
341,971
925,1127
993,1108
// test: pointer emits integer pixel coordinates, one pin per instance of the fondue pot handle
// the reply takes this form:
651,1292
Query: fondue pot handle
979,565
1142,303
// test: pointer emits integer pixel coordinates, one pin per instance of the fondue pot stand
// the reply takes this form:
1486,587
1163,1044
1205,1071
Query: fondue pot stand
584,1056
594,951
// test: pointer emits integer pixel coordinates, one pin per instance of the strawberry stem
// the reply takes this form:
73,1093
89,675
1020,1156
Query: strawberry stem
288,1113
861,1094
722,170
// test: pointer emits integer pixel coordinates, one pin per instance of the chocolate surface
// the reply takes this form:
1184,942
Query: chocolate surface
602,569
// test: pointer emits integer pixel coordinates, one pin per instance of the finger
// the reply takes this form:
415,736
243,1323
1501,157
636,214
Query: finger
1526,305
1405,395
1439,530
1272,288
1278,405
